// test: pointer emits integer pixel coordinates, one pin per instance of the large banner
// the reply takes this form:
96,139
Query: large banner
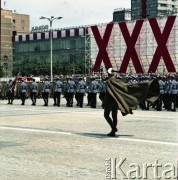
141,46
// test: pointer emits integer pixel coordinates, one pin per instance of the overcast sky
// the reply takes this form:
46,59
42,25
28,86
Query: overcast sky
74,12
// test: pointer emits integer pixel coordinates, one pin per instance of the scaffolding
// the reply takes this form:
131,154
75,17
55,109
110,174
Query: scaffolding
146,45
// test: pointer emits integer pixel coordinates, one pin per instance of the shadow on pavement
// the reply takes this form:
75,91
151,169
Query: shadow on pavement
9,144
98,135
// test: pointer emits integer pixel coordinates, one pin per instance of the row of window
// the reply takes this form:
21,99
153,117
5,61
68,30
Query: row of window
58,44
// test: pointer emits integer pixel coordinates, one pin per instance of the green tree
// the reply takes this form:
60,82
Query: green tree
1,72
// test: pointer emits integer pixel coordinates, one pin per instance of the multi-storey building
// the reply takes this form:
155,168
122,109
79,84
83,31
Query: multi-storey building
121,14
32,51
142,46
11,24
153,8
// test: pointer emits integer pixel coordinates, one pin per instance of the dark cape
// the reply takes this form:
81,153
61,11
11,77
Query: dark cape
126,97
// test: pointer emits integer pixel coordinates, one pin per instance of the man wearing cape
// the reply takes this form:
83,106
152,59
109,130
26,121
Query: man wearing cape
126,97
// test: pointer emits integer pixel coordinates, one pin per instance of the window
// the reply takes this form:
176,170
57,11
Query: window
22,22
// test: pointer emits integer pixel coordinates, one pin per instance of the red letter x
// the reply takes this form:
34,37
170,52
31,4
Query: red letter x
102,44
130,42
161,39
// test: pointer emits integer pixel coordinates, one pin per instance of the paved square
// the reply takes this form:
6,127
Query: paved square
41,143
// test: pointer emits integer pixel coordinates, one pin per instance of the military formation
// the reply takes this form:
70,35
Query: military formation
91,87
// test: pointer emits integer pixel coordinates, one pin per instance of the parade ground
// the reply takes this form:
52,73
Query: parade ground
61,143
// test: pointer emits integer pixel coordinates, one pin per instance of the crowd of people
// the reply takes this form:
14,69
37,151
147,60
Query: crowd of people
80,87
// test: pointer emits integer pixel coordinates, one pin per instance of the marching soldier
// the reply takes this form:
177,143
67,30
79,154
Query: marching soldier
102,89
173,93
34,89
161,89
165,92
64,90
57,92
168,93
71,86
93,89
77,92
46,89
89,92
10,92
23,90
80,91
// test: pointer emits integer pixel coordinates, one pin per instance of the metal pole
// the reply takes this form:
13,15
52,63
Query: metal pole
51,49
51,39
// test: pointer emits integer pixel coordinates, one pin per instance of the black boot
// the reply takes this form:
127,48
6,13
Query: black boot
112,133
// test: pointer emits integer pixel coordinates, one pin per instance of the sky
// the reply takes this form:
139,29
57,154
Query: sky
73,12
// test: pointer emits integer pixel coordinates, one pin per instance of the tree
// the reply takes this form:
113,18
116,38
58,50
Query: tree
1,72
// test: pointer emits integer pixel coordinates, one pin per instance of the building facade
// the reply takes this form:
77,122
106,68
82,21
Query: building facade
11,24
32,51
153,8
142,46
120,15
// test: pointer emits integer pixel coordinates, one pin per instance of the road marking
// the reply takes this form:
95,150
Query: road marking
149,141
35,130
78,134
92,111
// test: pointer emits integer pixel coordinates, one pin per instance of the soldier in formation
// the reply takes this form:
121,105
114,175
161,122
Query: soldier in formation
93,88
102,89
45,91
57,92
23,91
80,90
10,92
168,99
33,92
70,89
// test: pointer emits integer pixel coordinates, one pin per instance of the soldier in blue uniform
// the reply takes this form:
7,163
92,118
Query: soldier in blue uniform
46,89
33,90
89,92
177,90
65,90
168,93
77,92
173,93
80,90
71,86
23,90
102,89
57,92
10,92
165,93
94,89
161,89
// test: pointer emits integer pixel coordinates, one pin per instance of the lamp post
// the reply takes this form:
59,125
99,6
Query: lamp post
51,19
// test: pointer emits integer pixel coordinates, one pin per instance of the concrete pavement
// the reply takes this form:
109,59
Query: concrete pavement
41,143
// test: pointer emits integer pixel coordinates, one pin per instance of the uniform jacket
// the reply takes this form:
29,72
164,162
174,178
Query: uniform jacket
58,86
23,87
34,87
46,87
81,85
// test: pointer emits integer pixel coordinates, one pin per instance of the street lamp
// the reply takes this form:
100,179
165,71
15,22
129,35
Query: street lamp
51,19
